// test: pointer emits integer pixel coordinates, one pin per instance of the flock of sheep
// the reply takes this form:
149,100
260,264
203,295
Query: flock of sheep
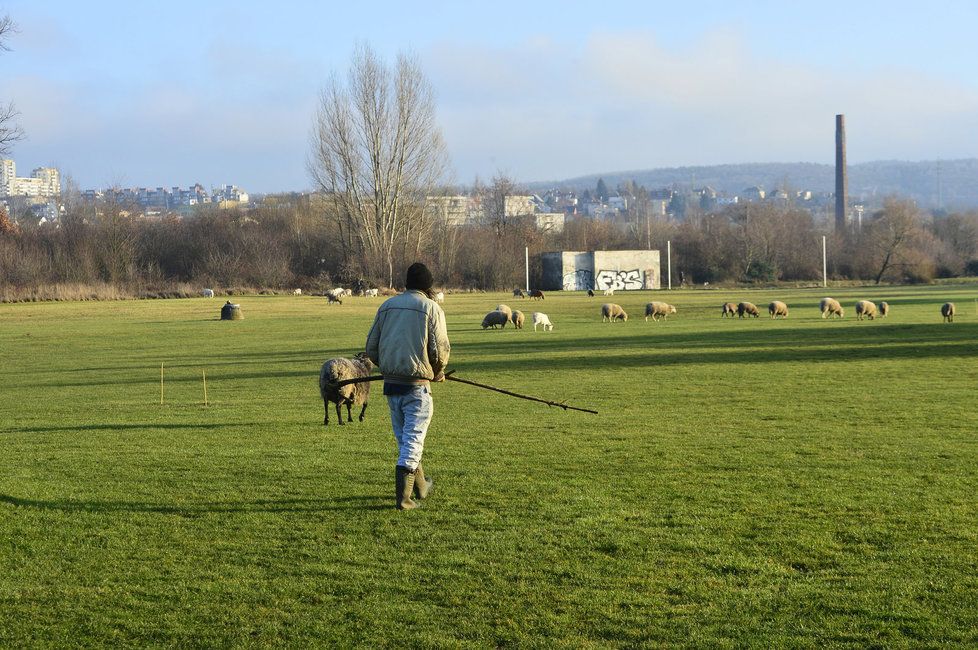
611,312
502,315
336,295
337,370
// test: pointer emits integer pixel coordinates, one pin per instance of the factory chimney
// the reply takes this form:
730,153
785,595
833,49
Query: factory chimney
841,175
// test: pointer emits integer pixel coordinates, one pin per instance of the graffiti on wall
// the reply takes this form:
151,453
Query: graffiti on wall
619,280
578,281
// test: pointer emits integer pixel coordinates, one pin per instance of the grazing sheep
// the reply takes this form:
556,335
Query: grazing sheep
370,293
947,312
536,294
336,293
777,308
330,299
518,293
297,292
884,309
831,306
611,312
347,292
728,309
495,318
654,309
440,296
539,318
610,291
745,309
207,293
865,308
590,293
337,370
505,309
518,319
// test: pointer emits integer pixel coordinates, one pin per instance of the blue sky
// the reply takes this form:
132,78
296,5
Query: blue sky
138,93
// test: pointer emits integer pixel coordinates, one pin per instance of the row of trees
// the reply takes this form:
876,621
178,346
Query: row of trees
288,243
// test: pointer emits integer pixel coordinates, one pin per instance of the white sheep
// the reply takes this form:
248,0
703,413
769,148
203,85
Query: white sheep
611,312
830,307
518,319
865,308
610,291
884,309
947,312
440,296
745,309
539,318
777,308
370,293
336,293
505,309
495,318
728,309
337,370
297,292
654,309
347,292
207,293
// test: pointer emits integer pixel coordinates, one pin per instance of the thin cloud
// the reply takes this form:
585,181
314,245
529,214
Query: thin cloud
624,100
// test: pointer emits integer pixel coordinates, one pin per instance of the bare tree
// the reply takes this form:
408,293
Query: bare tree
10,132
377,152
894,230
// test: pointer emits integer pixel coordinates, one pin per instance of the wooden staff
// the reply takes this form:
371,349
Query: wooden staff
450,377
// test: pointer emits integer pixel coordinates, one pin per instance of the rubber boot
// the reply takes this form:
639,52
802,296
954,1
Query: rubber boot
422,484
403,486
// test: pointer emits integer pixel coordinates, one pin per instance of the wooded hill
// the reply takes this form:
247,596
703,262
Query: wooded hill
951,183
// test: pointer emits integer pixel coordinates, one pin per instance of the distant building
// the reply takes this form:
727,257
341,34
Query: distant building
517,205
550,221
175,199
8,174
753,194
583,270
44,182
230,194
452,210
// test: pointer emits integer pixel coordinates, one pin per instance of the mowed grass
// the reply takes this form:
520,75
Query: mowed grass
751,482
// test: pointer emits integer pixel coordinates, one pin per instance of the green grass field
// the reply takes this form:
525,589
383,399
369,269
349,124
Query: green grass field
758,483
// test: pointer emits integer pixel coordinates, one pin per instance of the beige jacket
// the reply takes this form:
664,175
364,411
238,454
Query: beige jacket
409,340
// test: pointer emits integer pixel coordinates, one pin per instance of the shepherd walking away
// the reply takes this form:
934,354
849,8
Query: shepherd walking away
409,343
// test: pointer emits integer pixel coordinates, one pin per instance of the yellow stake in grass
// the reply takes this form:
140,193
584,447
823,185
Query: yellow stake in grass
161,383
204,374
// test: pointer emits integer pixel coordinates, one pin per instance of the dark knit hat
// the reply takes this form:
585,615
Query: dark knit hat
419,277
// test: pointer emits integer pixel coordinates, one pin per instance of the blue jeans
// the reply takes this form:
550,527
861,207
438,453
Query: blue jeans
410,417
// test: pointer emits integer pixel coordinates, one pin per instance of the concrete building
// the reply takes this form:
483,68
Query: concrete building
452,210
517,205
50,181
753,194
44,182
230,195
599,270
8,176
550,221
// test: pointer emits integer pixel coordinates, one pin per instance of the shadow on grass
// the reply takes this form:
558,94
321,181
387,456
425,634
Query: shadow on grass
364,502
143,426
834,343
153,378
